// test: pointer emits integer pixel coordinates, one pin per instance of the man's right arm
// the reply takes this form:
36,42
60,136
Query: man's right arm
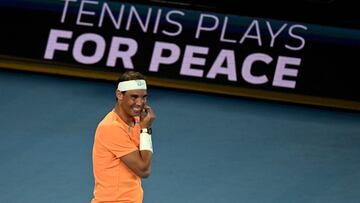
139,162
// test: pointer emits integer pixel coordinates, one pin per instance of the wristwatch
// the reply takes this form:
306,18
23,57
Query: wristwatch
146,130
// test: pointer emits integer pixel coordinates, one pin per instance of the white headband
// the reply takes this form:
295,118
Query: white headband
132,85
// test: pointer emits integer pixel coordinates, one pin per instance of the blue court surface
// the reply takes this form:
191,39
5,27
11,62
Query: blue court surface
207,148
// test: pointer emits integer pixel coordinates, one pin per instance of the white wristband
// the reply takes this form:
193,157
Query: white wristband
145,142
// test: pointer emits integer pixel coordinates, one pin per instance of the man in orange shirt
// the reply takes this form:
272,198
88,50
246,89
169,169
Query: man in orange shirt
122,150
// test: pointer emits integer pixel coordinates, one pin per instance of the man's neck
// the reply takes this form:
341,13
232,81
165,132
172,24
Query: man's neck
128,120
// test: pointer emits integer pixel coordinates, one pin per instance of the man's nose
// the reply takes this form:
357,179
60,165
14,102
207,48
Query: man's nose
140,101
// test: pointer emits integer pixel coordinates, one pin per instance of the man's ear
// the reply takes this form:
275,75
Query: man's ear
119,95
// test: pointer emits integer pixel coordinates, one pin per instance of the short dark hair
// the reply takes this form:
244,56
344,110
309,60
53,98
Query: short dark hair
130,75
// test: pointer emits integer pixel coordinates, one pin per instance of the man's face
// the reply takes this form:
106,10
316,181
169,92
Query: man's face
133,102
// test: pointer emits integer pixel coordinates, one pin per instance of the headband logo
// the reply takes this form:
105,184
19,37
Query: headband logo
139,83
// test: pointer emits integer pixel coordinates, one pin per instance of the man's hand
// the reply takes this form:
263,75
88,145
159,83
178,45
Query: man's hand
147,116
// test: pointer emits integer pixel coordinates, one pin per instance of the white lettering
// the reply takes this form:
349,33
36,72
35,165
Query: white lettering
83,12
254,24
168,19
282,70
126,56
144,25
63,15
190,59
106,9
223,30
53,43
228,57
302,40
99,48
273,36
157,57
200,25
247,65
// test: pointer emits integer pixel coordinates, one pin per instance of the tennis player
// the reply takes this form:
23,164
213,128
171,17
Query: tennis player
122,150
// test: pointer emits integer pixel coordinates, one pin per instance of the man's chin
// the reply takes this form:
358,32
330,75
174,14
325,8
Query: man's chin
135,113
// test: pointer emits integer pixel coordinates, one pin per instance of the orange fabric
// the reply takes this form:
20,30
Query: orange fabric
114,181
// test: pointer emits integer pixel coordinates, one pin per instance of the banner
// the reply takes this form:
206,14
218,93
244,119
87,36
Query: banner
188,49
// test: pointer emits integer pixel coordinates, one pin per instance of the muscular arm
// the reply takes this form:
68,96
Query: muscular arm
139,162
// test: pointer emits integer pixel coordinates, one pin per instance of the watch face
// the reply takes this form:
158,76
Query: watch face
146,130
